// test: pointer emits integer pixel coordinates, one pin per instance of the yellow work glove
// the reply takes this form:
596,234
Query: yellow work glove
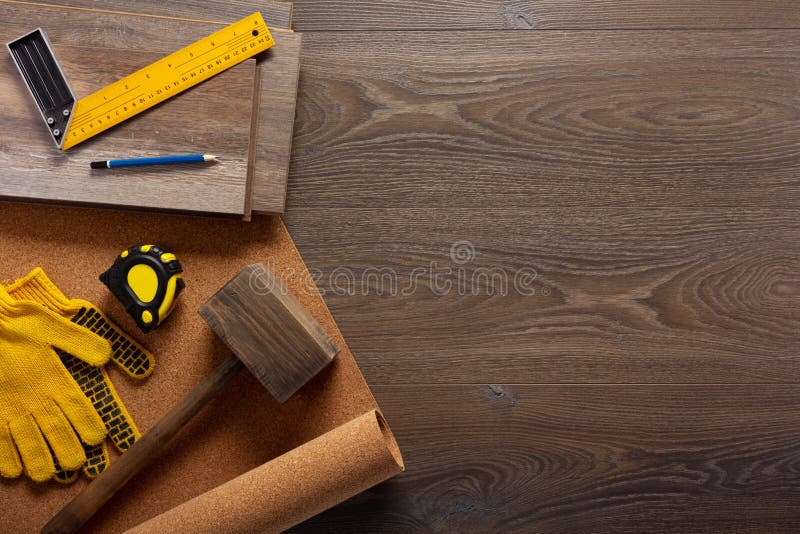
40,404
133,359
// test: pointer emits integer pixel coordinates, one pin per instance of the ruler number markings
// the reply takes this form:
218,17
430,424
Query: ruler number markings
155,86
228,45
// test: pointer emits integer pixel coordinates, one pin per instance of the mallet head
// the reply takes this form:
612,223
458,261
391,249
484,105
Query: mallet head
269,330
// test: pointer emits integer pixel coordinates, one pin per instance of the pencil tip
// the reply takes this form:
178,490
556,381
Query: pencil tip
208,157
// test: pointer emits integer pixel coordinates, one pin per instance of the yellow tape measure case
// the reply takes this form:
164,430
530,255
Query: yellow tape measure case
147,281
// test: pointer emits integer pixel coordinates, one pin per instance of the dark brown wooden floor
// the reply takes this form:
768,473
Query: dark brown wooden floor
636,166
641,158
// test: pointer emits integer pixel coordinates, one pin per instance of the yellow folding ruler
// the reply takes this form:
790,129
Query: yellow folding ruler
137,92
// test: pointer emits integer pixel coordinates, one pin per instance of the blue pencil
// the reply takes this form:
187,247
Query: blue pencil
160,160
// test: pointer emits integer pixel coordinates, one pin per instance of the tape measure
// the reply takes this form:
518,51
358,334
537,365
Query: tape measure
167,77
147,281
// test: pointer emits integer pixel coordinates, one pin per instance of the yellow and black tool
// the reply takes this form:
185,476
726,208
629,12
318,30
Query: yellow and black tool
147,280
72,121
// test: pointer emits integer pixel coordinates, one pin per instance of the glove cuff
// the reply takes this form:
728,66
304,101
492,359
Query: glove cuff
36,286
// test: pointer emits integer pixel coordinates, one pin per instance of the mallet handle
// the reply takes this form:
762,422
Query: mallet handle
95,495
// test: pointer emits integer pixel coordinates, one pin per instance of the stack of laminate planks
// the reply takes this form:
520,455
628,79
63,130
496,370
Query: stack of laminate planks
244,115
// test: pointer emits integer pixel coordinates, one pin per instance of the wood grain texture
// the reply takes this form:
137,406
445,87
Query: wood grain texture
269,330
644,176
276,14
499,458
279,69
35,170
561,294
542,14
445,119
280,72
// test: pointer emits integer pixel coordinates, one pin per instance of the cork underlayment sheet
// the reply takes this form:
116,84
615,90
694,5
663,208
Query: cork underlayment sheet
267,466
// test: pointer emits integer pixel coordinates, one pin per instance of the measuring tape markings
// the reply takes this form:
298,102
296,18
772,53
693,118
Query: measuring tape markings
161,80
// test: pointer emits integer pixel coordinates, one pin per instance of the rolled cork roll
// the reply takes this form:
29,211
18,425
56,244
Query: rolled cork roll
291,488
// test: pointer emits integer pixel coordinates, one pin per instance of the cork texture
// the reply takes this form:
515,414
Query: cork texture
244,427
293,487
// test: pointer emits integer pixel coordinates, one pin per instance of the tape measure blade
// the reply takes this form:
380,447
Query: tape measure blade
167,77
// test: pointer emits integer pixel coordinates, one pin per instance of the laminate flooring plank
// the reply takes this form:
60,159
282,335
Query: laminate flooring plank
320,15
279,69
276,14
533,458
280,72
35,170
561,294
534,119
99,29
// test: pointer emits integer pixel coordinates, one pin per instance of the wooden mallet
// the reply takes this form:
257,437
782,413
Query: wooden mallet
269,332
